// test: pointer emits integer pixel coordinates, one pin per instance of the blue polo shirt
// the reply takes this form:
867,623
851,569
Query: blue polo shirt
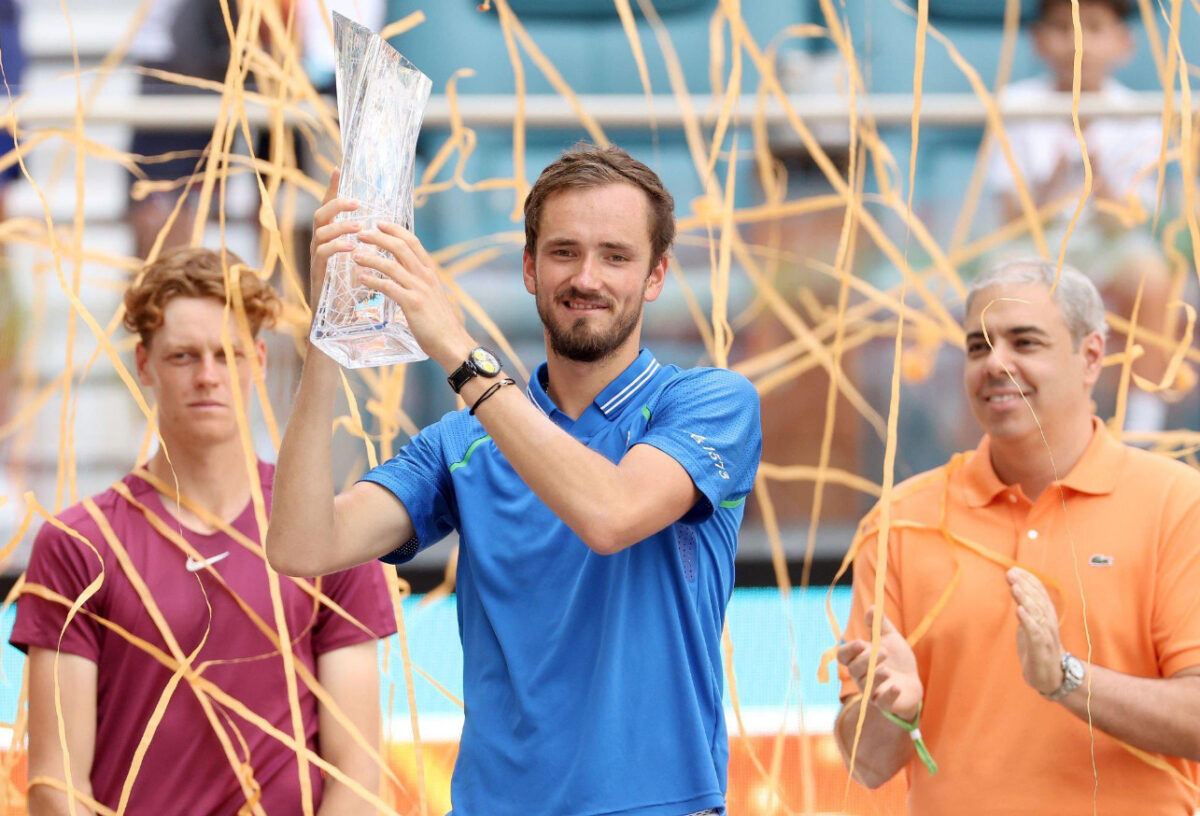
592,684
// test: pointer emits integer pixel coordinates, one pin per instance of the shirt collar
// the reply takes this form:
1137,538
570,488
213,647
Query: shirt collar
1096,472
613,398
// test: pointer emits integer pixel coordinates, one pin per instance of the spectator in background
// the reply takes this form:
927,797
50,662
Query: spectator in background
12,60
211,589
1115,249
1050,545
186,37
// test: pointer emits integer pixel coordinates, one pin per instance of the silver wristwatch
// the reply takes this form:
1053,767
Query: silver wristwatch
1073,672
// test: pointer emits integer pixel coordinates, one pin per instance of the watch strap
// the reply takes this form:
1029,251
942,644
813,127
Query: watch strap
461,376
470,369
1070,680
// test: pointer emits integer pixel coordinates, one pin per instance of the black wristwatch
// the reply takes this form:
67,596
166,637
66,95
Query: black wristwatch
480,363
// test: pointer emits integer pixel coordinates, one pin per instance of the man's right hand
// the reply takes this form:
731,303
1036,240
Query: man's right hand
329,236
897,688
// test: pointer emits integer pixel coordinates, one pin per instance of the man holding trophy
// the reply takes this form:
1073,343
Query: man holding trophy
597,509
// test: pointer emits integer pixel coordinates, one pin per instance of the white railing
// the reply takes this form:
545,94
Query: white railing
615,111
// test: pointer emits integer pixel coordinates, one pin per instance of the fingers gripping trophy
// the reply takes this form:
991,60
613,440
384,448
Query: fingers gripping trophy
381,102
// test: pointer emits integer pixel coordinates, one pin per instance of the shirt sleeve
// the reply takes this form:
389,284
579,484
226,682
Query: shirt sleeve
419,477
708,421
1176,619
65,565
362,593
863,598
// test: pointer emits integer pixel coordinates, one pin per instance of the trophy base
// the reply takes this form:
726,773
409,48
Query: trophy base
368,347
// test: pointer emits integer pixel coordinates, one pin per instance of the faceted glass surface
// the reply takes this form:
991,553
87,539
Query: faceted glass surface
381,100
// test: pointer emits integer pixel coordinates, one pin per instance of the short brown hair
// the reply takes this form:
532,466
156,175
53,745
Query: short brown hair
198,273
586,165
1121,8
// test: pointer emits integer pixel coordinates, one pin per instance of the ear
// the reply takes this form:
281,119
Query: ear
656,279
141,356
1092,349
529,272
260,351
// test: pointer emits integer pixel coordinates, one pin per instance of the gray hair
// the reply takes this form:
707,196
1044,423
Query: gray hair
1076,296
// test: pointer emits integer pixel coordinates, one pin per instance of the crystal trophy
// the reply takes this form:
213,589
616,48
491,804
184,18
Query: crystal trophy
381,100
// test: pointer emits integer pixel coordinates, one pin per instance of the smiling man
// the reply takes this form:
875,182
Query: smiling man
167,565
598,510
1067,564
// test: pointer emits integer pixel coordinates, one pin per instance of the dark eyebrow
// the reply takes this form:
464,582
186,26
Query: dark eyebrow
1019,330
1014,331
618,246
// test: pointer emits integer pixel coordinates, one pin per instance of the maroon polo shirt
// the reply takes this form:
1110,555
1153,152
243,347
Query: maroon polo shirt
185,768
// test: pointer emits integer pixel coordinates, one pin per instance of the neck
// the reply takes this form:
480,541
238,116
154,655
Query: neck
212,476
1024,460
574,385
1086,84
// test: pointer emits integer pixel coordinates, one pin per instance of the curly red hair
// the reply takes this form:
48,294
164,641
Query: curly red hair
199,273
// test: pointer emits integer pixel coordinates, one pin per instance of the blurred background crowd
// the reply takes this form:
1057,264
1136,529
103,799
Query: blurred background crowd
135,187
847,217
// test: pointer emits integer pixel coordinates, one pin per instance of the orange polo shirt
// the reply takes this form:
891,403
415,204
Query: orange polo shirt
1129,522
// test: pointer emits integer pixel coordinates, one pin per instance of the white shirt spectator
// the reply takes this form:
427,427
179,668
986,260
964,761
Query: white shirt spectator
1119,148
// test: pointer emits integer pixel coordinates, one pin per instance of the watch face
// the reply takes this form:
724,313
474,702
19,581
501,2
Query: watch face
485,362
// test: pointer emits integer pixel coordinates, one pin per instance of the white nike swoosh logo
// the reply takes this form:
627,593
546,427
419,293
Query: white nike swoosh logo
195,566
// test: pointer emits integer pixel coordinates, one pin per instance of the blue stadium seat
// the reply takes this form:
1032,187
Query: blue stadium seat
586,42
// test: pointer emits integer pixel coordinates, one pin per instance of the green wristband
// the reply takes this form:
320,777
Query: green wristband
914,731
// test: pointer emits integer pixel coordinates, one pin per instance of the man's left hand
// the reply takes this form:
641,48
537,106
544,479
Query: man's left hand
411,279
1038,644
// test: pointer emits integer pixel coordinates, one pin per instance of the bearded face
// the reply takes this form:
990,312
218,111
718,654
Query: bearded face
593,271
586,338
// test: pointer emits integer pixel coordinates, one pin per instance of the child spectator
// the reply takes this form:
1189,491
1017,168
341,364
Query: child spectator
1111,241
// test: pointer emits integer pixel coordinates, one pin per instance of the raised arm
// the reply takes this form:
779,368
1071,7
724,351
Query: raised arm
609,506
351,676
312,532
77,686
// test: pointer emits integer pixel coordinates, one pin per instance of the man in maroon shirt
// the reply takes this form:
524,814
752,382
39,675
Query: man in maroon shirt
190,677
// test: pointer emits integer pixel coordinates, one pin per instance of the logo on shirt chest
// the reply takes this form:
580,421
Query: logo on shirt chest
1100,560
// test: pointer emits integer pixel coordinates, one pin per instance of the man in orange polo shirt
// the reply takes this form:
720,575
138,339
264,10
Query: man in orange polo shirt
1041,595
